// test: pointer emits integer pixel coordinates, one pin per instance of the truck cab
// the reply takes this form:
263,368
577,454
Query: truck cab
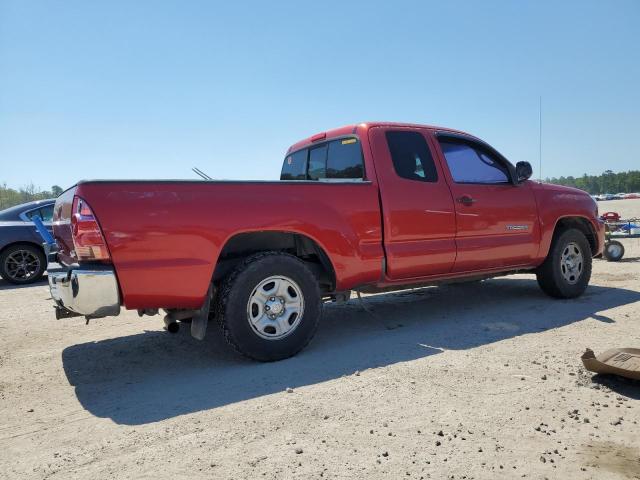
450,203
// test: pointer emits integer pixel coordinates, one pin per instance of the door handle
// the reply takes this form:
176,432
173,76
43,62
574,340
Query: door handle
466,200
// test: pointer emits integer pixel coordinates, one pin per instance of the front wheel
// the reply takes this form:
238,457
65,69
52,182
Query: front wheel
269,307
566,271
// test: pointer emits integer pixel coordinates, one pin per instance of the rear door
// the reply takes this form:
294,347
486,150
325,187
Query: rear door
417,207
497,221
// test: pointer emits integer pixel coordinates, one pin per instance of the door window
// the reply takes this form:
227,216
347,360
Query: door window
411,156
472,165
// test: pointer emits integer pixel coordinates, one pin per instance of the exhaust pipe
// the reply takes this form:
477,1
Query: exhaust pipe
170,324
171,319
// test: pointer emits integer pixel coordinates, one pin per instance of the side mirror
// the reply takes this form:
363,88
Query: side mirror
523,171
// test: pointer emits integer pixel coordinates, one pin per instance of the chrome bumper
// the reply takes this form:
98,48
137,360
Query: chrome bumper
92,293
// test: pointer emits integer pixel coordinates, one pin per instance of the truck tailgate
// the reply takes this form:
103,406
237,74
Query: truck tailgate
62,227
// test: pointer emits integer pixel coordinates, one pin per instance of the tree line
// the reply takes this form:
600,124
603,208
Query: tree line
607,182
10,197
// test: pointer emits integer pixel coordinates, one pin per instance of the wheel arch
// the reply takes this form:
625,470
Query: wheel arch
580,223
21,242
240,245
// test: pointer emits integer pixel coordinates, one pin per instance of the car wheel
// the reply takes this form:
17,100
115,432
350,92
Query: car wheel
613,251
566,271
269,306
22,264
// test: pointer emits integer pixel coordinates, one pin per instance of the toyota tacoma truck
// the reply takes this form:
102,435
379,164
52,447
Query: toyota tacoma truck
370,207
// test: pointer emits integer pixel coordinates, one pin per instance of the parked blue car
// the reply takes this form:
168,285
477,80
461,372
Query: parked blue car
22,256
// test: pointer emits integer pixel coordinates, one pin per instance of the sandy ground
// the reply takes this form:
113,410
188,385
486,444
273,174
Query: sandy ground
470,381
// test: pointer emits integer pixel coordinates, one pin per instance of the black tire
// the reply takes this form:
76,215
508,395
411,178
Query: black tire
613,251
36,264
232,308
552,275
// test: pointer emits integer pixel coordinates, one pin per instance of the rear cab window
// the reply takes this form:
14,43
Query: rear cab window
344,159
334,160
317,163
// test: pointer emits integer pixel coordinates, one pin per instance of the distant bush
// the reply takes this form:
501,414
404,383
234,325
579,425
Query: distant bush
10,197
608,182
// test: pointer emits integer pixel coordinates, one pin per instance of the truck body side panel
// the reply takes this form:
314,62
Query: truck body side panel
165,237
558,202
498,228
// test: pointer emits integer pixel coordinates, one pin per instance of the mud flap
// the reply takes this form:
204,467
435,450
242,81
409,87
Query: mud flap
200,320
624,362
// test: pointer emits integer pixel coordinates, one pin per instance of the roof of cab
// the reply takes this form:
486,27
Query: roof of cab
353,129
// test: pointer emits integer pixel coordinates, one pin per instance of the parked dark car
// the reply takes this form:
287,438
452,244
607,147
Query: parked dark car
22,256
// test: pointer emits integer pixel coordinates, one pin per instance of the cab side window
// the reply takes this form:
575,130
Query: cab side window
470,164
411,156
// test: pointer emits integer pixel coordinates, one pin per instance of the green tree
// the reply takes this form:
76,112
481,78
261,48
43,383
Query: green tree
607,182
10,196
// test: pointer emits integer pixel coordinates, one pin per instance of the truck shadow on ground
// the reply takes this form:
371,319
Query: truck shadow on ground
153,376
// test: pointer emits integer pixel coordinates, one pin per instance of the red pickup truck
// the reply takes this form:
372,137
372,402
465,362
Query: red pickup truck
367,207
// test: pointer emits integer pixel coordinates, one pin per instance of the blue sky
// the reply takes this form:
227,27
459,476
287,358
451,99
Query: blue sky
148,89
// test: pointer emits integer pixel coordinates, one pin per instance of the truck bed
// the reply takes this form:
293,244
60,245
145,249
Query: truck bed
173,231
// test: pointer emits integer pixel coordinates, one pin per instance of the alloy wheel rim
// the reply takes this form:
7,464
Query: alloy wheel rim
275,307
571,263
22,265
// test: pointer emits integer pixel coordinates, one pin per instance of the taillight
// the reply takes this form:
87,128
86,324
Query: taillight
87,236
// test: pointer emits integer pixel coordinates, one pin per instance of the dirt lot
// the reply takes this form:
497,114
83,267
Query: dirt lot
471,381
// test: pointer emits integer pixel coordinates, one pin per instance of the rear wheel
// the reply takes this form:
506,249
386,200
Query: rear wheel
613,251
567,269
22,264
269,306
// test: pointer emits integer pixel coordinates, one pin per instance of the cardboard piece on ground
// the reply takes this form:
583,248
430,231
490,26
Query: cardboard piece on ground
617,361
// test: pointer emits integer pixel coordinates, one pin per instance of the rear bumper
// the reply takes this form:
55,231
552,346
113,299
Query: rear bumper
92,293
